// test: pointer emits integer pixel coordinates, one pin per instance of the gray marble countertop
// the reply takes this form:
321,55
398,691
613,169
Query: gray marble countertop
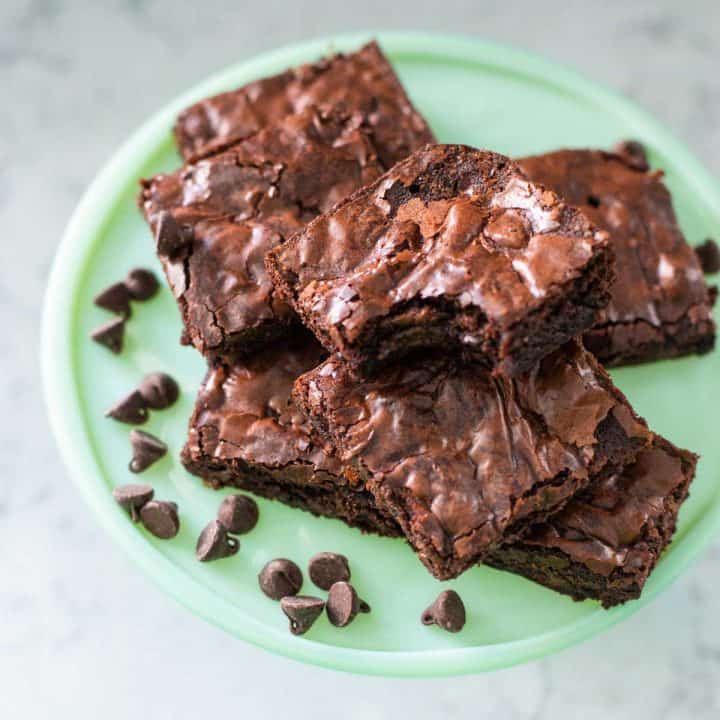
82,633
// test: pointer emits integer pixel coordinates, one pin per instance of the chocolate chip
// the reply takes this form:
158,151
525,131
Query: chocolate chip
280,578
302,611
343,604
115,298
327,568
159,390
161,518
214,543
633,153
110,335
132,497
170,236
238,513
141,284
447,612
131,409
147,449
709,256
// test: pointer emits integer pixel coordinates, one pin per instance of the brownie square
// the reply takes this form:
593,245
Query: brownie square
214,221
452,248
605,544
246,433
660,305
363,80
464,461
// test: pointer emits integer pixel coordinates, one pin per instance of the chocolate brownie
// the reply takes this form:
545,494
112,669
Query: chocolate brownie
660,305
215,220
363,80
605,544
465,461
452,248
246,433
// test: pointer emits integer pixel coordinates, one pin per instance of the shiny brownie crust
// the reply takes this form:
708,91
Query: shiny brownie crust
604,544
660,305
465,462
451,248
363,81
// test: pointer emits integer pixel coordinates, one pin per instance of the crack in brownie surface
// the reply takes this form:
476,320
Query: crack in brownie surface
659,304
464,461
233,207
363,80
605,543
452,247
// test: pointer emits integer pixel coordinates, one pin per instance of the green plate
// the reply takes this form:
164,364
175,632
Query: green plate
472,92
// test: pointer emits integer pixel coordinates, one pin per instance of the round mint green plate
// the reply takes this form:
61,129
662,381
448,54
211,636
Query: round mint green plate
472,92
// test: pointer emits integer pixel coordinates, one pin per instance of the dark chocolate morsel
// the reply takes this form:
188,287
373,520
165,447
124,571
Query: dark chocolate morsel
160,518
110,334
447,612
280,578
132,497
343,604
147,449
709,256
159,390
633,153
238,513
302,611
170,236
141,284
132,409
327,568
115,298
214,543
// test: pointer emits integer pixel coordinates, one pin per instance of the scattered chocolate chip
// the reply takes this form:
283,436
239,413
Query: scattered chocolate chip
343,604
327,568
447,612
131,409
214,543
132,497
633,153
159,390
302,611
110,335
238,513
160,518
141,284
147,449
709,256
280,578
170,236
115,298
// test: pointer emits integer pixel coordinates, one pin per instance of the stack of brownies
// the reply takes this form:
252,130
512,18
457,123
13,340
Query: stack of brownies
407,336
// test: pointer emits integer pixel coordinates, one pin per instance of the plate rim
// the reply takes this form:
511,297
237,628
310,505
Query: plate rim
60,308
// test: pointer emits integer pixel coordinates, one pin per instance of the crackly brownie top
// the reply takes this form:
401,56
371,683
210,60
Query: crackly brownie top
233,207
363,81
659,278
450,224
624,520
462,450
244,411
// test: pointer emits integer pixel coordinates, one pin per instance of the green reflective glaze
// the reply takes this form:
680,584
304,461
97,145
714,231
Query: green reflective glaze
472,92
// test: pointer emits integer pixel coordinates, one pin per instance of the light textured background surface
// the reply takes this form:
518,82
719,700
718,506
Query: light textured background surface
82,633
